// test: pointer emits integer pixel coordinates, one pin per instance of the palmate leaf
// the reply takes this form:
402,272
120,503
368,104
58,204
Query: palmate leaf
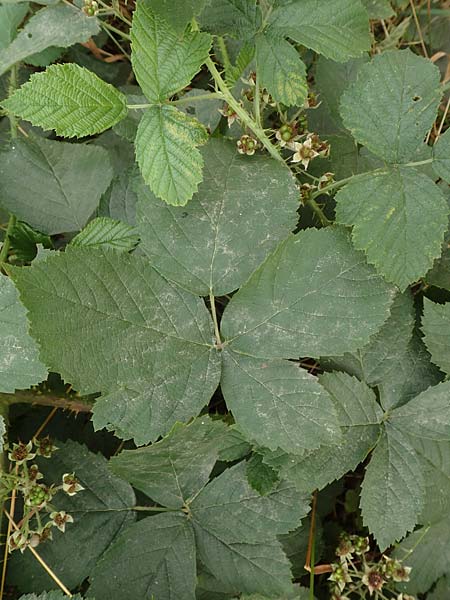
436,327
69,99
61,25
393,104
281,70
313,296
359,416
63,185
174,469
278,404
338,29
100,512
393,490
164,61
166,151
386,210
241,211
20,366
150,345
108,233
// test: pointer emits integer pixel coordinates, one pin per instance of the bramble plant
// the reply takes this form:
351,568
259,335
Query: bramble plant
226,255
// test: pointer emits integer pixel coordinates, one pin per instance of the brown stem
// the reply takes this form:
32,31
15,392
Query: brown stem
28,397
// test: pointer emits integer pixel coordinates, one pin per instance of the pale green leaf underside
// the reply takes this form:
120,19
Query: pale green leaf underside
393,104
107,233
166,151
315,295
242,210
100,514
154,558
175,469
61,25
10,18
436,327
163,60
235,529
387,213
69,99
149,343
20,366
339,29
427,416
280,70
393,490
63,183
278,404
441,155
359,416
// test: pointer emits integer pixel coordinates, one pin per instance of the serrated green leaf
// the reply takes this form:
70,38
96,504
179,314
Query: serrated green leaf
295,545
24,241
359,416
280,70
150,344
206,111
11,16
425,554
441,156
235,446
314,296
54,595
20,366
119,201
379,9
261,476
297,593
177,13
100,512
167,154
288,409
441,591
339,29
63,185
436,327
439,274
393,104
60,25
242,210
155,43
427,416
52,100
175,469
235,530
46,57
393,490
107,233
373,363
238,18
209,588
155,558
386,210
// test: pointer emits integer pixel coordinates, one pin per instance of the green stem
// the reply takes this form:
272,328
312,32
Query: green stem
212,302
311,573
11,88
153,509
256,104
7,241
224,53
124,35
198,98
319,212
241,112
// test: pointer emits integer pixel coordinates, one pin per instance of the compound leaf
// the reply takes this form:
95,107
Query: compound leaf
280,70
436,327
69,99
100,512
163,60
242,210
107,233
176,468
154,558
150,344
339,29
236,528
167,155
63,185
386,210
61,25
278,404
393,104
393,490
313,296
20,366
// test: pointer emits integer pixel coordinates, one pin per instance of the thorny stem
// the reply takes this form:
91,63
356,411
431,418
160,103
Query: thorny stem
183,100
319,212
27,397
212,302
